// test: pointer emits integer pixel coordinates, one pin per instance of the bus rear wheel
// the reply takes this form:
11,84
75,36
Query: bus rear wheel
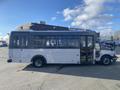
38,62
106,60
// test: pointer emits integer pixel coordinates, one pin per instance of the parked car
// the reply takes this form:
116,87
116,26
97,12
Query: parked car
3,44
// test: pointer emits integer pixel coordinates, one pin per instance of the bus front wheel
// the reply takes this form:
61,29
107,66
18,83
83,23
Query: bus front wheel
106,60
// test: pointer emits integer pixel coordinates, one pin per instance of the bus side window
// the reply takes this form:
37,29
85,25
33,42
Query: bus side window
82,41
55,42
24,41
68,42
90,41
16,42
74,43
51,42
39,41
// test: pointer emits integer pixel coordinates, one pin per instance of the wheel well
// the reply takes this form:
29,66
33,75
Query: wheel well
39,56
105,55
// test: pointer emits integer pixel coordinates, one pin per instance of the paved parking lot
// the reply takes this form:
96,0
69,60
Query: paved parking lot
16,76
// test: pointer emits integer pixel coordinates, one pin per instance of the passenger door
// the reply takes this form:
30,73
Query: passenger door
86,49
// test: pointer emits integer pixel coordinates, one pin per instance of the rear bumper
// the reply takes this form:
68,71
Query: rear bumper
9,60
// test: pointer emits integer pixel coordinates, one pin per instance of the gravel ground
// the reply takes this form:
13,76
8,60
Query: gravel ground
16,76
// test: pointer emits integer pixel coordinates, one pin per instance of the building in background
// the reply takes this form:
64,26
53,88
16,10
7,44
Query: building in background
40,26
6,38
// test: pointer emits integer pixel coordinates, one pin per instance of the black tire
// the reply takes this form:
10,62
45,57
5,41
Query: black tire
38,62
106,60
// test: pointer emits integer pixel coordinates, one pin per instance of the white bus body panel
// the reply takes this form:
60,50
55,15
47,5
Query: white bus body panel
69,56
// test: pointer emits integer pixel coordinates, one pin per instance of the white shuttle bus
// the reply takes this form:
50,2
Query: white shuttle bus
58,47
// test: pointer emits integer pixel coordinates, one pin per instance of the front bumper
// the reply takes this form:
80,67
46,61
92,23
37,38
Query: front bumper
114,58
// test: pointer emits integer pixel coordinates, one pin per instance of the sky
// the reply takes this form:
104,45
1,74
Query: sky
100,15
